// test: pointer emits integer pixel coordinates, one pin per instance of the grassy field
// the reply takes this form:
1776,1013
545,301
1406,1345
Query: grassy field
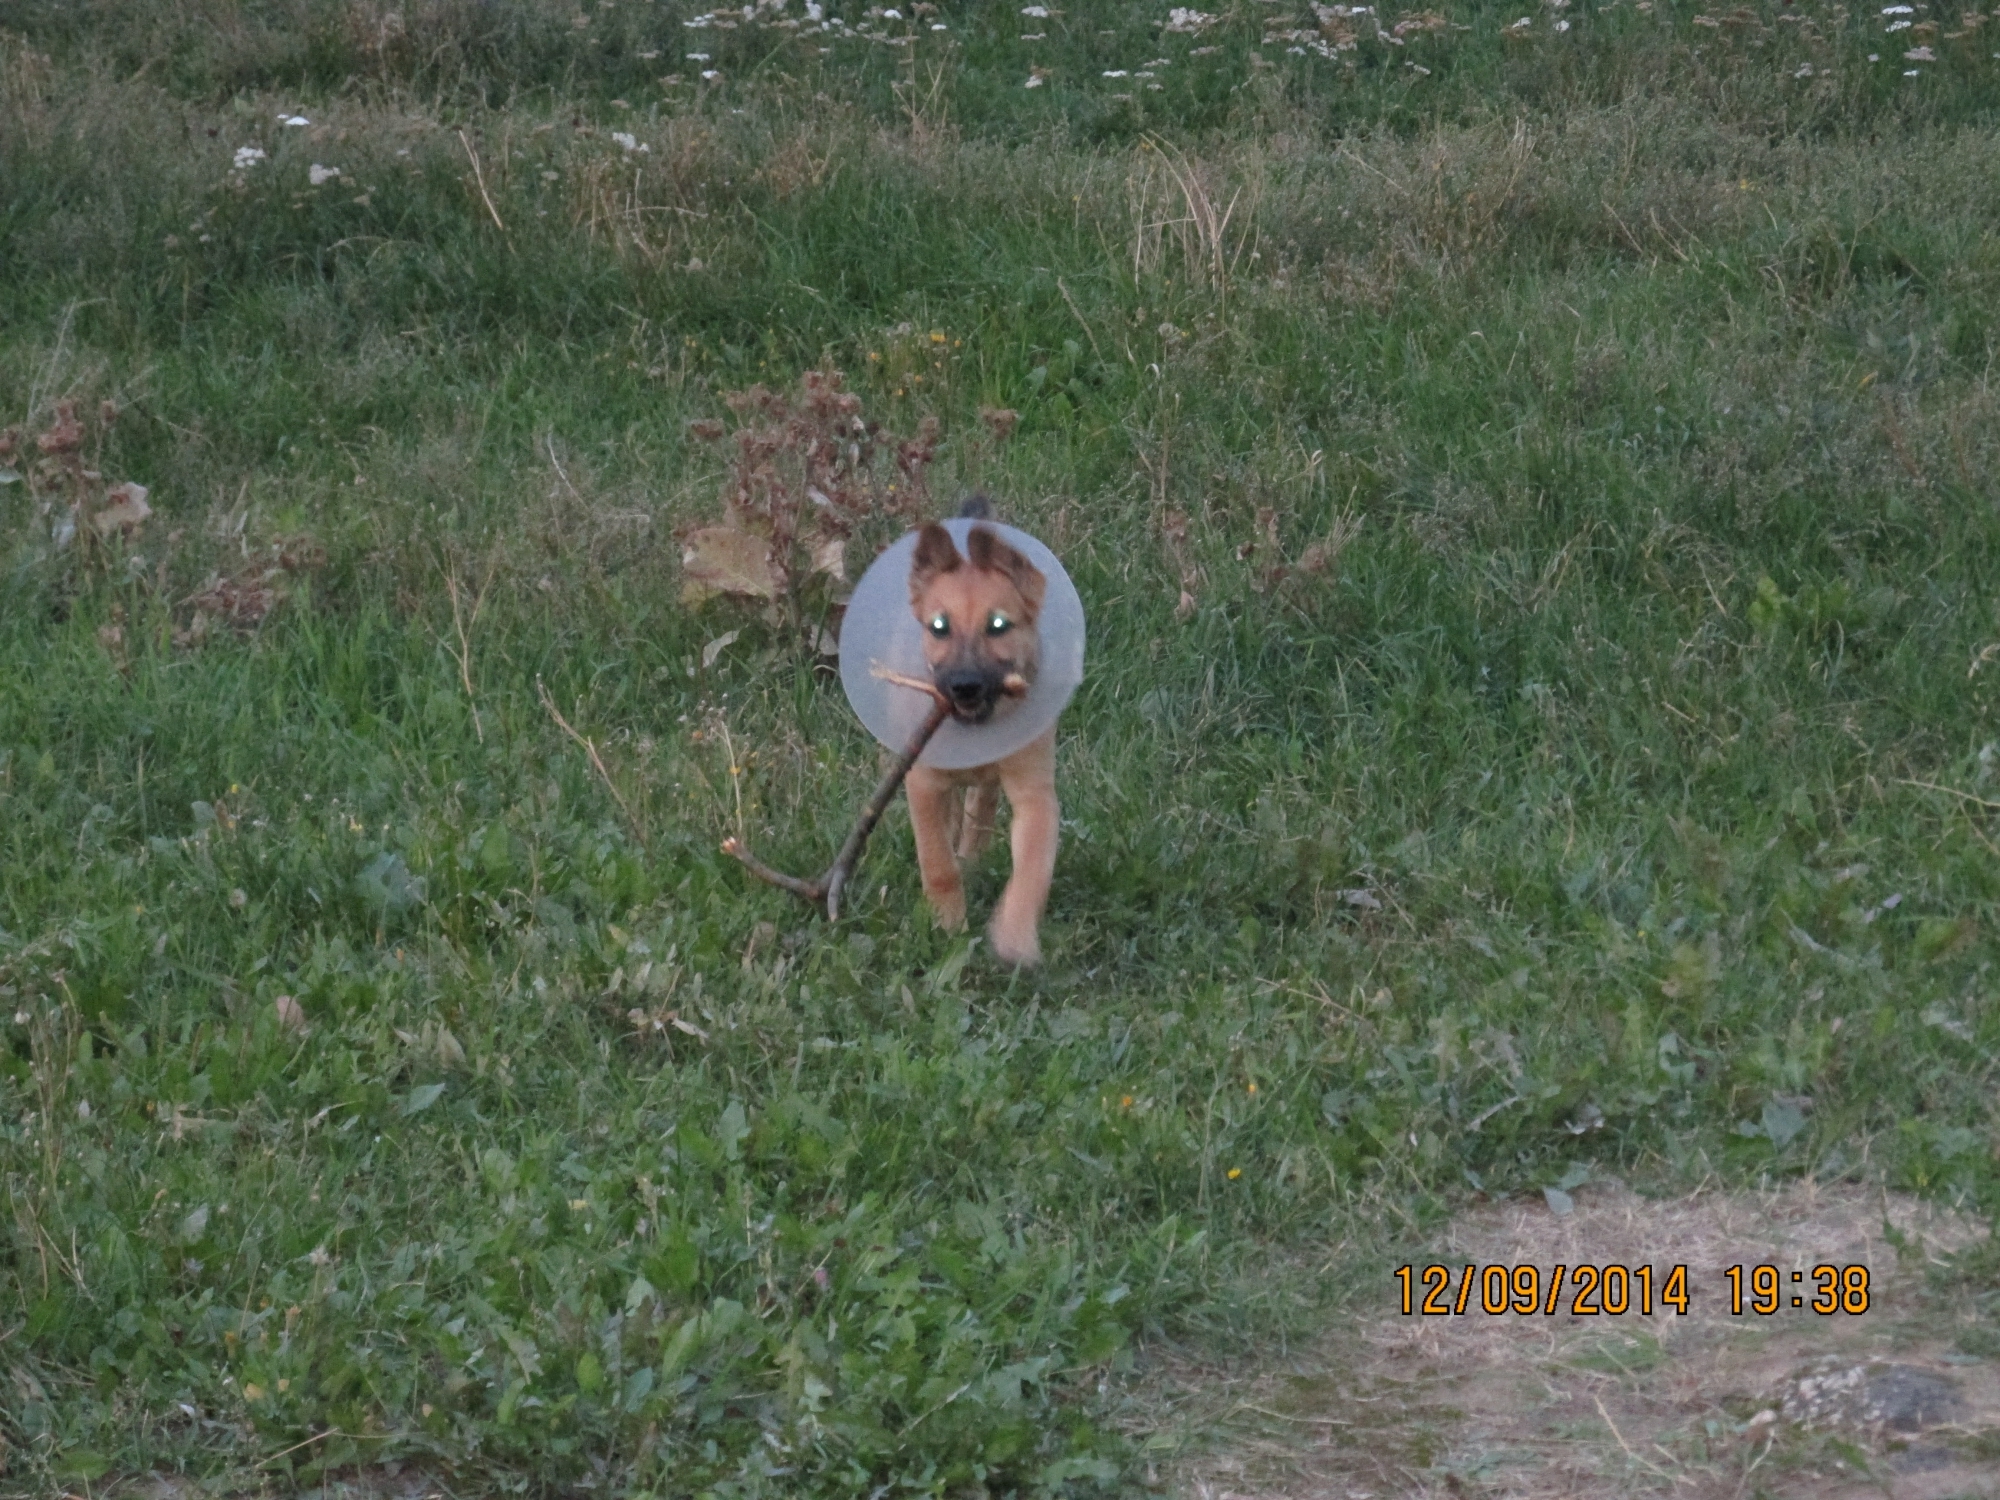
1532,480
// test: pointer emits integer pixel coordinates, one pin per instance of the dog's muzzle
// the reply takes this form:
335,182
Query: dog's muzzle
972,694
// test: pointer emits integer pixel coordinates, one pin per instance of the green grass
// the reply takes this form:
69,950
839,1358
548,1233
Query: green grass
1621,795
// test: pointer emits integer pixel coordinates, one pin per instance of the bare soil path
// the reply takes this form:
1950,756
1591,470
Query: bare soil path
1787,1406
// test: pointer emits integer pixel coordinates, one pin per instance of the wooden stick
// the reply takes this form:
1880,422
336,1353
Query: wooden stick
824,892
1013,685
896,679
885,791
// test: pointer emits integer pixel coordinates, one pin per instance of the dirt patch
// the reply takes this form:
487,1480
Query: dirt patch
1707,1404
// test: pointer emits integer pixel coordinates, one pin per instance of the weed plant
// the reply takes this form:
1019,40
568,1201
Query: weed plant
1533,489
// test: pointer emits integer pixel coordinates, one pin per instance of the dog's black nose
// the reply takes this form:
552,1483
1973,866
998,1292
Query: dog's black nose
967,690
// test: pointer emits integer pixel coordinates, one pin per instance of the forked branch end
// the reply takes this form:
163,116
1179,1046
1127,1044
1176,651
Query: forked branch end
824,892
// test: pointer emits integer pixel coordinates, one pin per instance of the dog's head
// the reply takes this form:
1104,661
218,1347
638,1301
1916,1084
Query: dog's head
978,615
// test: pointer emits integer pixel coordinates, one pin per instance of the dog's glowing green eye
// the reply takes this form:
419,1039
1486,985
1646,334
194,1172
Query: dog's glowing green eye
940,626
998,624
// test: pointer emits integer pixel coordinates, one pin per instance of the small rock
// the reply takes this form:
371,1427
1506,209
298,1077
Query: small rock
1923,1458
1905,1398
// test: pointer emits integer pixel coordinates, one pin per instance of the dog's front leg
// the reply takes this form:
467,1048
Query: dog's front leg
982,805
930,818
1029,779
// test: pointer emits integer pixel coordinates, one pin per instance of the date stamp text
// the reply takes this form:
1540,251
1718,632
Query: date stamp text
1615,1290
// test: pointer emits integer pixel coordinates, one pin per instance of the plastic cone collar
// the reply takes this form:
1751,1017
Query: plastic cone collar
881,630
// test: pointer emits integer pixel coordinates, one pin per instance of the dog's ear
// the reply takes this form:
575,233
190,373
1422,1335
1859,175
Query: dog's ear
935,555
988,551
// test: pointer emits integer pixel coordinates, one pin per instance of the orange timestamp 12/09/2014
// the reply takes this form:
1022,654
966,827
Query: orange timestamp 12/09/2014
1615,1290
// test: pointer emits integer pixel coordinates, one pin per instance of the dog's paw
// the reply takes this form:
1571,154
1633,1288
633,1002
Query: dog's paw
948,909
1017,948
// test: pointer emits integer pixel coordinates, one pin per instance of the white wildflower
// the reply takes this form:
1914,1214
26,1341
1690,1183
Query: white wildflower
1116,73
1805,71
293,120
1897,10
709,75
1894,26
1187,22
892,15
813,11
318,175
1036,12
1920,54
1562,26
697,57
248,157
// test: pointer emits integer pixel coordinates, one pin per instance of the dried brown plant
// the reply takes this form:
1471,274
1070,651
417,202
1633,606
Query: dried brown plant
808,475
63,467
239,601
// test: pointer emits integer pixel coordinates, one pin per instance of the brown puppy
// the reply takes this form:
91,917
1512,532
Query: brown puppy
978,614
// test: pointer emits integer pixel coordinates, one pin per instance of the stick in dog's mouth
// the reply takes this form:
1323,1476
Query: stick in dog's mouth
825,892
1013,685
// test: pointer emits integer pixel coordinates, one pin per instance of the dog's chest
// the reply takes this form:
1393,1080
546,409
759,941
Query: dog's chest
972,776
969,776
